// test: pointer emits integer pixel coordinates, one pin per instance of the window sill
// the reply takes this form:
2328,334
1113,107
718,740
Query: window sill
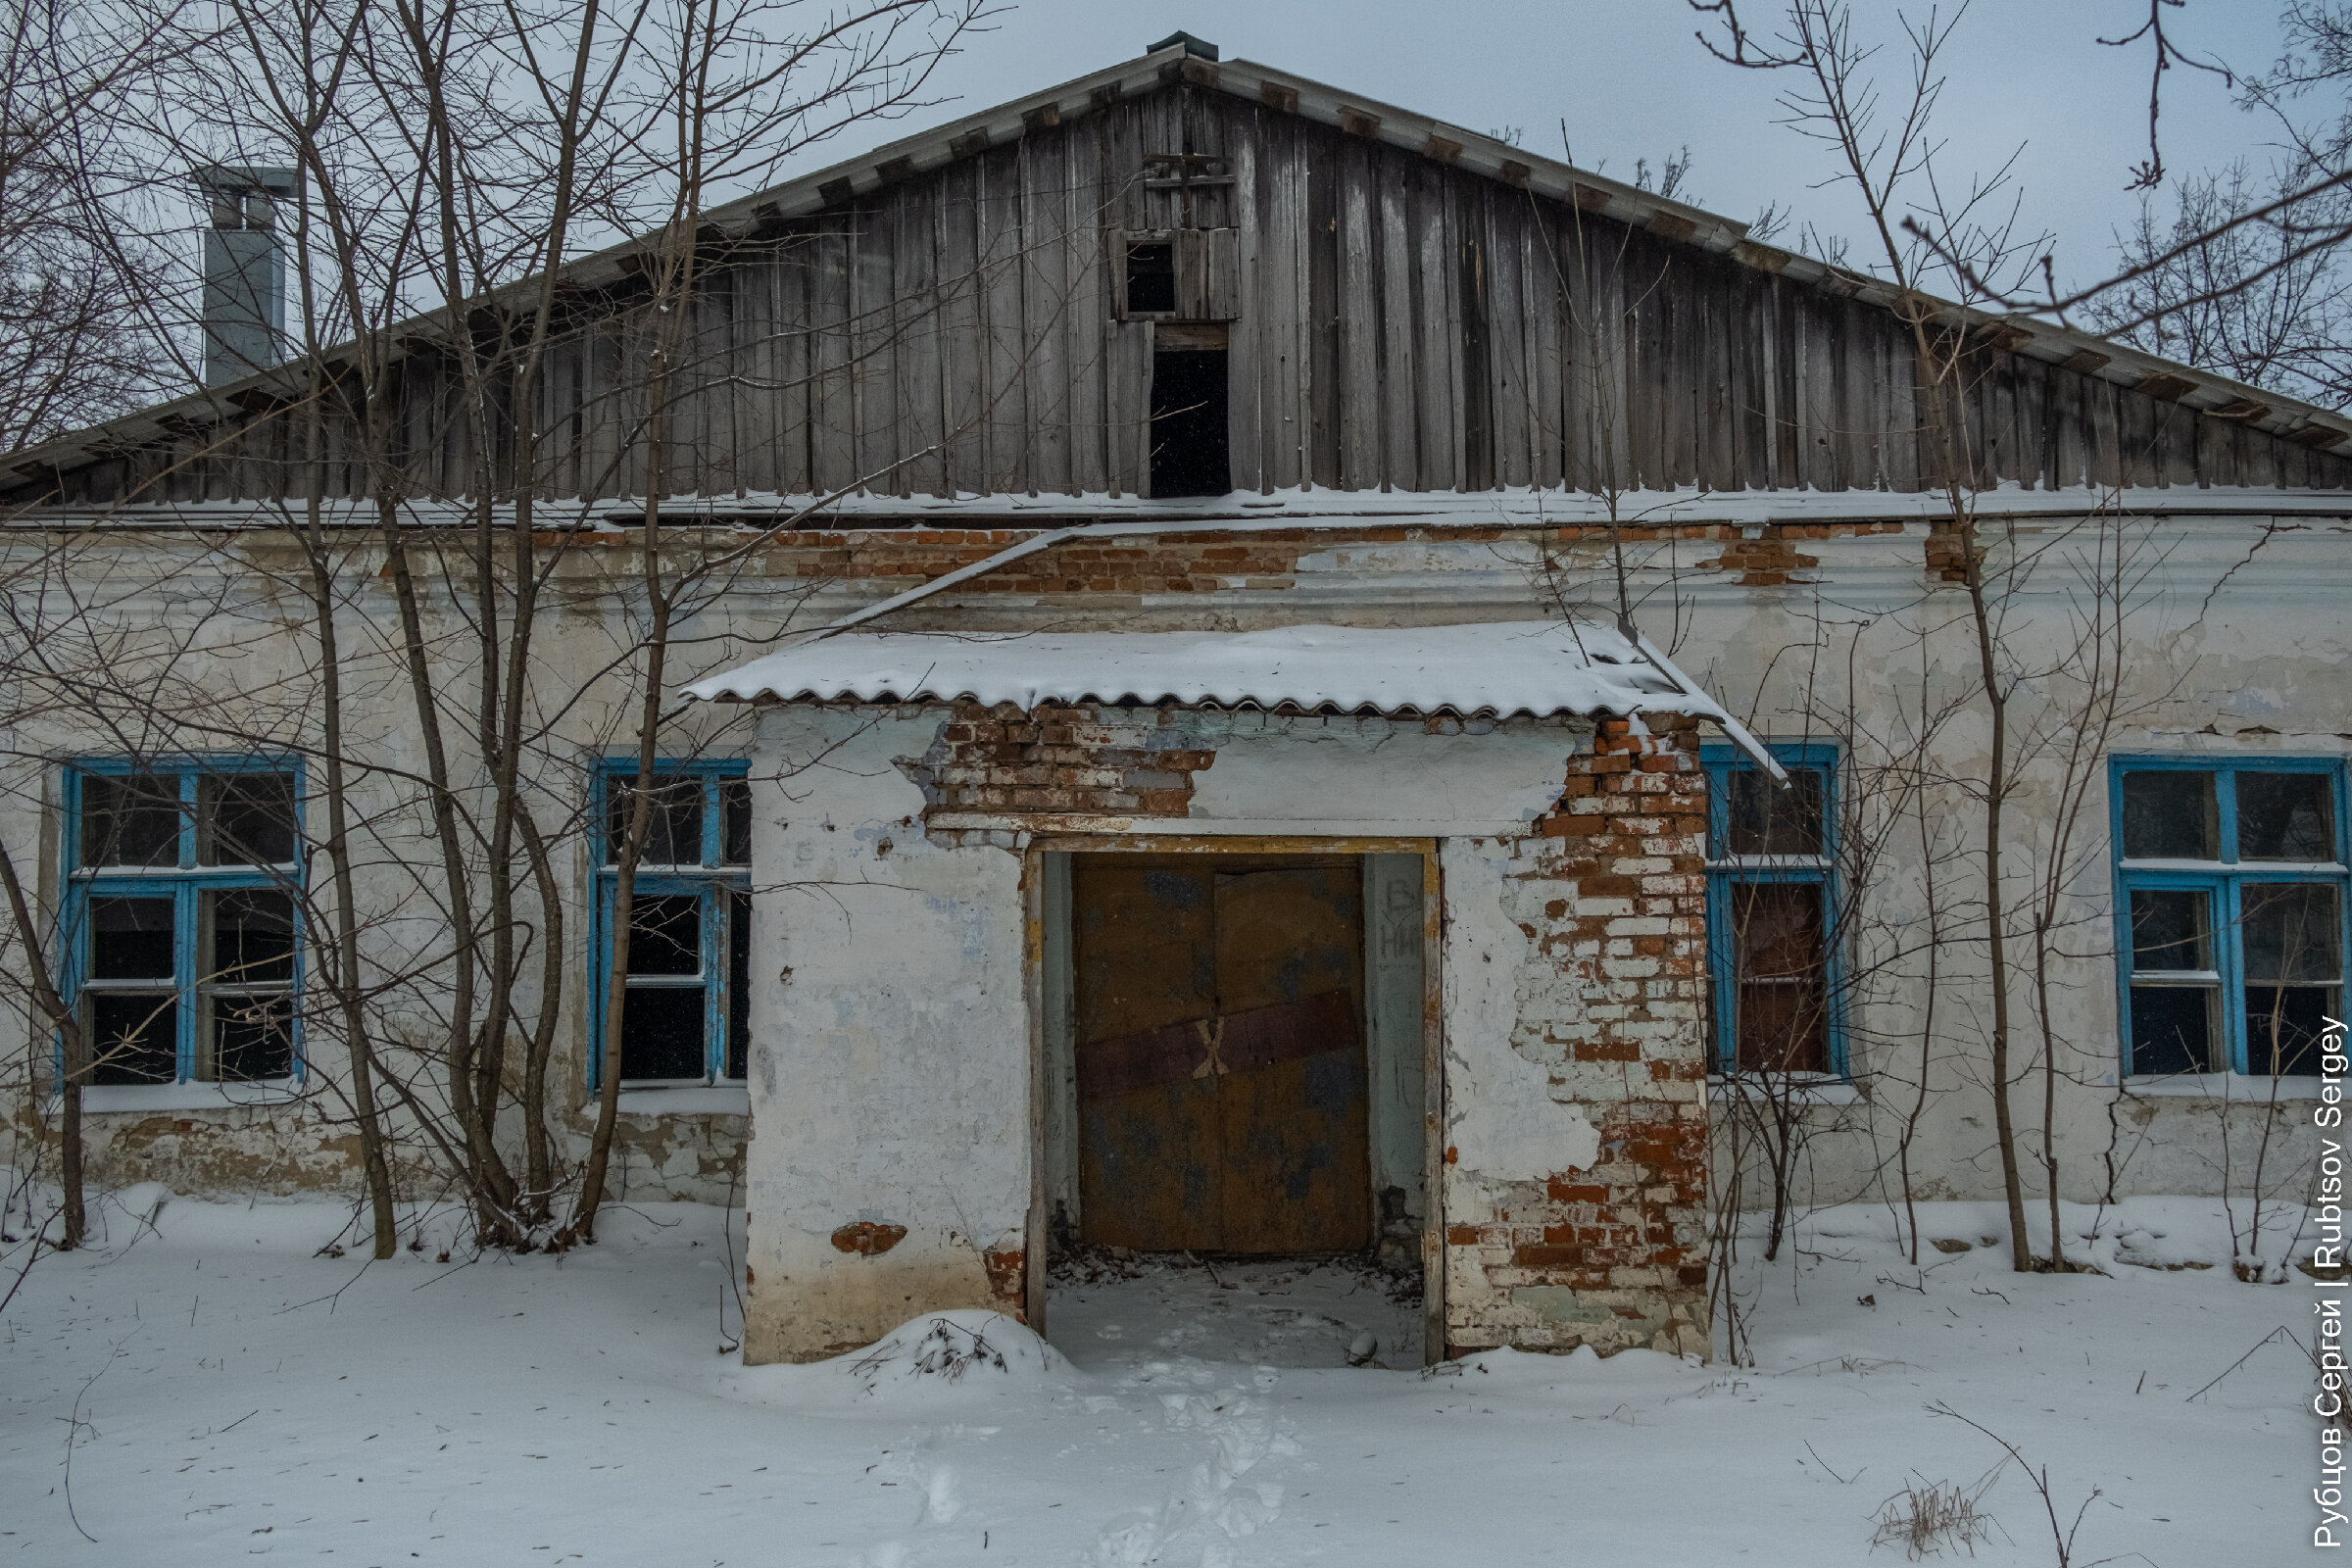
2237,1086
694,1099
188,1096
1807,1089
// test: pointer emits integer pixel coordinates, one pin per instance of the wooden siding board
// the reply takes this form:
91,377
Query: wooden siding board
1356,392
1282,302
1323,167
1437,364
1088,309
1245,433
999,230
1399,385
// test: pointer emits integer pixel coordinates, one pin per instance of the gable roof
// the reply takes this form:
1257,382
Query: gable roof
1184,60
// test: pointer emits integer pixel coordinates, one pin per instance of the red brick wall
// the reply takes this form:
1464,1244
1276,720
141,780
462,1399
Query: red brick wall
1109,762
1612,1255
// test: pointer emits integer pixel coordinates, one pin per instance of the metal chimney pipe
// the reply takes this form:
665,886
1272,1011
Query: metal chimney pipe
244,269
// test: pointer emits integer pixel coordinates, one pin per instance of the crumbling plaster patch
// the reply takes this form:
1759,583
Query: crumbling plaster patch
890,1039
1505,1123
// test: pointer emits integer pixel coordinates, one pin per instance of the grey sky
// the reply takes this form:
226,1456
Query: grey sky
1631,82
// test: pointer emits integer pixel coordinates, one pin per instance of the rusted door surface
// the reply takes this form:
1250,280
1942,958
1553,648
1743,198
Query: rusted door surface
1220,1052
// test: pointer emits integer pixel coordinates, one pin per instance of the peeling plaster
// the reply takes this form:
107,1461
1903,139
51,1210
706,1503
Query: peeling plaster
1503,1123
1357,770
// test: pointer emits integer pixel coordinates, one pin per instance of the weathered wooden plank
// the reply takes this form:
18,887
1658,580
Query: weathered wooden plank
834,449
795,363
1245,394
963,360
1506,340
1439,364
1282,302
1355,393
1323,171
1400,383
920,439
1473,285
1046,307
1541,295
1002,261
1089,310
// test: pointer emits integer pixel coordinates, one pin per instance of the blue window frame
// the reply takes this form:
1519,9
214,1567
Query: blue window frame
182,919
1773,960
2231,885
686,1017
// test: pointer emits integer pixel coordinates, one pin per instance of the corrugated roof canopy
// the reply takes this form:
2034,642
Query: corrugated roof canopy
1492,668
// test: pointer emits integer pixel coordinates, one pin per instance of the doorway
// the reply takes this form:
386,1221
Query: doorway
1222,1081
1191,445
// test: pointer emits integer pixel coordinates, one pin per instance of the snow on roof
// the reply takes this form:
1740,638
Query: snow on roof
1497,668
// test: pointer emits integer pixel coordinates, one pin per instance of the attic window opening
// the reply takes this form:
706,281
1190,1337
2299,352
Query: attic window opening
1152,277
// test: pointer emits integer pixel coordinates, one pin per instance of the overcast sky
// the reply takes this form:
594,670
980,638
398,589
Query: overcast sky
1631,82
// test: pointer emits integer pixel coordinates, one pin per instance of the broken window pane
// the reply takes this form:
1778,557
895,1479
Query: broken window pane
1780,971
1765,819
130,939
2284,1025
739,982
674,829
2171,815
2286,816
134,1037
253,937
245,819
2290,930
662,1033
1151,279
129,819
2174,1029
2171,931
252,1037
735,821
665,935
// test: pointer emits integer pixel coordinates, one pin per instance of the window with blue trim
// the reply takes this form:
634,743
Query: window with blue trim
685,1020
1772,903
182,927
2230,883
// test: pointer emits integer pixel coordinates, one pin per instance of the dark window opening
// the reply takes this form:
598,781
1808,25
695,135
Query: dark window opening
1189,451
1768,818
245,818
673,827
2286,816
1151,279
2171,815
130,820
1781,975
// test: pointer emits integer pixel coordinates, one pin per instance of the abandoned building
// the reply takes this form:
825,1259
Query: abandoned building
1290,679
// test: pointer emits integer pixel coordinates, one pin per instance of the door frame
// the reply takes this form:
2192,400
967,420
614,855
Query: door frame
1036,936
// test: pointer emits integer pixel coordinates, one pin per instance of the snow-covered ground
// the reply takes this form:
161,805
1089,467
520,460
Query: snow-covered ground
224,1395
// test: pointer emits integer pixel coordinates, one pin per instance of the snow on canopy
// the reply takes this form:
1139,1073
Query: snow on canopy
1499,667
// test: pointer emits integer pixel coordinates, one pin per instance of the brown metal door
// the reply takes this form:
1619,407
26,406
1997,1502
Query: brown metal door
1221,1073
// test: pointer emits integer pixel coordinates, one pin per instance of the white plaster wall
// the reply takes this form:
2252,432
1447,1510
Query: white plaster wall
890,1066
1454,778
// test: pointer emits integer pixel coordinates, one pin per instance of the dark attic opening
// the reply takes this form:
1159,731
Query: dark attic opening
1190,452
1151,278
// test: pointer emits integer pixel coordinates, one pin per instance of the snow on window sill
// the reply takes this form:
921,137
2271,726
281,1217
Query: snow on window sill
2238,1087
684,1100
187,1096
1812,1089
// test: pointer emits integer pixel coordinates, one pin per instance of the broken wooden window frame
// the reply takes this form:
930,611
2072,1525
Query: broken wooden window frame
1728,872
194,890
2223,881
719,883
